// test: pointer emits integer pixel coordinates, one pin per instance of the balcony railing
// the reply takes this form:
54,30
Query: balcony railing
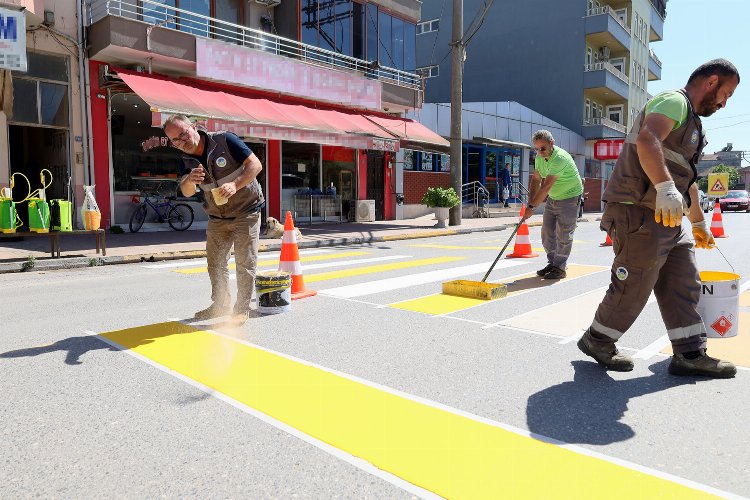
653,56
606,122
155,12
606,9
604,65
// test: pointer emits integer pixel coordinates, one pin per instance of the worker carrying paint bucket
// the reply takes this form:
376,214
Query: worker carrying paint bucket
651,188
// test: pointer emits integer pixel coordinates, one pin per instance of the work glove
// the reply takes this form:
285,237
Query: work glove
702,235
669,204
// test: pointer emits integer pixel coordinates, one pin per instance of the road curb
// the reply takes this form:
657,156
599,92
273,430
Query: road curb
81,262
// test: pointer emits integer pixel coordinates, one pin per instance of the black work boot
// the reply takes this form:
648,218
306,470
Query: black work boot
555,273
215,310
703,364
544,270
606,354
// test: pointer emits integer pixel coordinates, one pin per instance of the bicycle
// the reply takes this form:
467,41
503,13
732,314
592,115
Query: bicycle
179,215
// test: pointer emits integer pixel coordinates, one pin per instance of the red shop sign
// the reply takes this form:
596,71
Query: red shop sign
608,149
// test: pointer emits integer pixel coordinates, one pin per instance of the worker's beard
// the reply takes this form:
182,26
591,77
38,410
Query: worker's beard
709,104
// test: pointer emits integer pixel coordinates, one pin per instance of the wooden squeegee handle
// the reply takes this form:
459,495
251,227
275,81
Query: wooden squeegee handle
515,230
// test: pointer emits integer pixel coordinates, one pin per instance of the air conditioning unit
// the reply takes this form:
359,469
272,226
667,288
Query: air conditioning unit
604,52
365,211
268,3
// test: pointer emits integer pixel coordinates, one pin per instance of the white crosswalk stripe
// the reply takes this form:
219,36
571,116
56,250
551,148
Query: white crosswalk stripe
261,257
344,263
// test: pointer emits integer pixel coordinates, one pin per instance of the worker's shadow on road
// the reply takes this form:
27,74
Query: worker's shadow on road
588,409
76,347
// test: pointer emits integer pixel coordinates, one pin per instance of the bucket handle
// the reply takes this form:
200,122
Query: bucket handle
725,258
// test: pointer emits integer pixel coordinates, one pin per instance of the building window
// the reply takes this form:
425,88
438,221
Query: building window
41,93
618,63
429,71
587,112
615,113
428,26
445,163
589,56
409,159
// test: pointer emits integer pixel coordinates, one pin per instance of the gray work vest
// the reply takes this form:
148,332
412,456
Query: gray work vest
682,149
223,168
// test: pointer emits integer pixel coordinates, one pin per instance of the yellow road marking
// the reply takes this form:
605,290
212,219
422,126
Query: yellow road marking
444,304
453,455
734,349
273,263
456,247
358,271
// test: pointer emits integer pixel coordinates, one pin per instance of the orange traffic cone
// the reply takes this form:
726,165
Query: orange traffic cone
522,247
289,260
717,225
607,242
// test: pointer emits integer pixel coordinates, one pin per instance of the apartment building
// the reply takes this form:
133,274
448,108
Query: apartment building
315,88
584,64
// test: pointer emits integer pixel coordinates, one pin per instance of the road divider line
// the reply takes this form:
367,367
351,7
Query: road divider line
397,283
417,444
262,256
359,271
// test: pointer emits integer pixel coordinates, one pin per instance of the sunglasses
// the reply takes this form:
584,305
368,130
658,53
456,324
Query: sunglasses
541,150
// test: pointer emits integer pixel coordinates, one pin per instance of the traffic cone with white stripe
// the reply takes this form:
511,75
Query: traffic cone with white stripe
522,247
289,260
607,242
717,224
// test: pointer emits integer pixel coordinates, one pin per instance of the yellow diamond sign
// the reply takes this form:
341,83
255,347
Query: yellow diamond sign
718,184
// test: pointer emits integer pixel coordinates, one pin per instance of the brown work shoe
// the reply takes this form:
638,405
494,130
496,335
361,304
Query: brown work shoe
215,310
607,356
555,273
703,365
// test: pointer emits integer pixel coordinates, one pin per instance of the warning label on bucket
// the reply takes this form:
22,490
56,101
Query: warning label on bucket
722,325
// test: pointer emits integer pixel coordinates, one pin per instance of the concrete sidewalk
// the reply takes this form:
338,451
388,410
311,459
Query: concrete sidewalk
79,251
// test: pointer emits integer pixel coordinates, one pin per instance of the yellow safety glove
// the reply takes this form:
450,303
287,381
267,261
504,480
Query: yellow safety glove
669,204
702,235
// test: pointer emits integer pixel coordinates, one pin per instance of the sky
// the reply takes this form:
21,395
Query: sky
696,31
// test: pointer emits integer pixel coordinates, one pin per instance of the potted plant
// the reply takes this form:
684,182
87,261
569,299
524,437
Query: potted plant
442,200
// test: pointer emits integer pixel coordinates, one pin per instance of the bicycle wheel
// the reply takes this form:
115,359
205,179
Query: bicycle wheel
138,217
180,217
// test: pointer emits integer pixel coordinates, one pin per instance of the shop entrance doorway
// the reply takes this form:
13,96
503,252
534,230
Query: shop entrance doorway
376,182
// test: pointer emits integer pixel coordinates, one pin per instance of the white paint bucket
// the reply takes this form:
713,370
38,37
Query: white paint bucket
719,303
274,291
218,198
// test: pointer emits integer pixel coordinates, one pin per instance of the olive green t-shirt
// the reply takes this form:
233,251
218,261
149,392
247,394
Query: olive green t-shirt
671,104
560,164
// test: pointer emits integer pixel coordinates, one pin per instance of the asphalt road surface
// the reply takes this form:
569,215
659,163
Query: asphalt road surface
378,387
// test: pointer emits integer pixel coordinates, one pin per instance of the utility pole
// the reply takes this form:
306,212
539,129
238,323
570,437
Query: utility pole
457,75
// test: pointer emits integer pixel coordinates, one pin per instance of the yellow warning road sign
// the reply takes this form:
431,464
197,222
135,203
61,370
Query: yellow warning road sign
718,184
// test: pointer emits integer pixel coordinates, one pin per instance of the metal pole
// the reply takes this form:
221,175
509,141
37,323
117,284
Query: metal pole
457,70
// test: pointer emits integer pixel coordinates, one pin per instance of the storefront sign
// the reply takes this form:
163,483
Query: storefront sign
13,40
154,142
608,149
384,145
254,68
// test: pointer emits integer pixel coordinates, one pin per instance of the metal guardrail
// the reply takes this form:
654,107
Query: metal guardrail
155,12
653,56
606,9
607,123
604,65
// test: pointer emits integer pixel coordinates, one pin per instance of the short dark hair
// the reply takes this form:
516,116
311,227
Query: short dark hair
720,67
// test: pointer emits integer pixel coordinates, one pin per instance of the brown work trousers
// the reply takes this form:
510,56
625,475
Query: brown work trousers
242,232
650,257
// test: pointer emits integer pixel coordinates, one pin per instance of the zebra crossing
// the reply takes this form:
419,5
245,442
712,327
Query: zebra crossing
365,274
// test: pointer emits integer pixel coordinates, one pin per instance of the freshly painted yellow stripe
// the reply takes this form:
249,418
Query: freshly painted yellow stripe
446,304
273,263
734,349
358,271
456,247
451,455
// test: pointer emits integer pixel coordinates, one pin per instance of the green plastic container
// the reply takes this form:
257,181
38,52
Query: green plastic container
61,215
38,215
7,216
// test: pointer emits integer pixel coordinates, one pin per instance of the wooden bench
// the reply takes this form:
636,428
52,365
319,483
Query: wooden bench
54,238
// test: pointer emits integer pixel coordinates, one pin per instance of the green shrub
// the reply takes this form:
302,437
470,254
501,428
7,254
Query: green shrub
29,264
440,197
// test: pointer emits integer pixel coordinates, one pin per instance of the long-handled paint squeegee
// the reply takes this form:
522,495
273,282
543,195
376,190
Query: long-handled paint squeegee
481,289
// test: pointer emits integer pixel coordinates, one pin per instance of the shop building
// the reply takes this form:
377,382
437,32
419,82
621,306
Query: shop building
316,89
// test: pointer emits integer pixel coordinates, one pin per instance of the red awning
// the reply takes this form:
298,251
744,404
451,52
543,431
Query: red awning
409,130
257,116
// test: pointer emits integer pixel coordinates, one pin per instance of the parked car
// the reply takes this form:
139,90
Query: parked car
735,200
705,203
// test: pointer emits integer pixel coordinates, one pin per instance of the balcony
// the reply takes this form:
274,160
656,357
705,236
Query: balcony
603,28
603,81
654,66
122,32
603,128
656,24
